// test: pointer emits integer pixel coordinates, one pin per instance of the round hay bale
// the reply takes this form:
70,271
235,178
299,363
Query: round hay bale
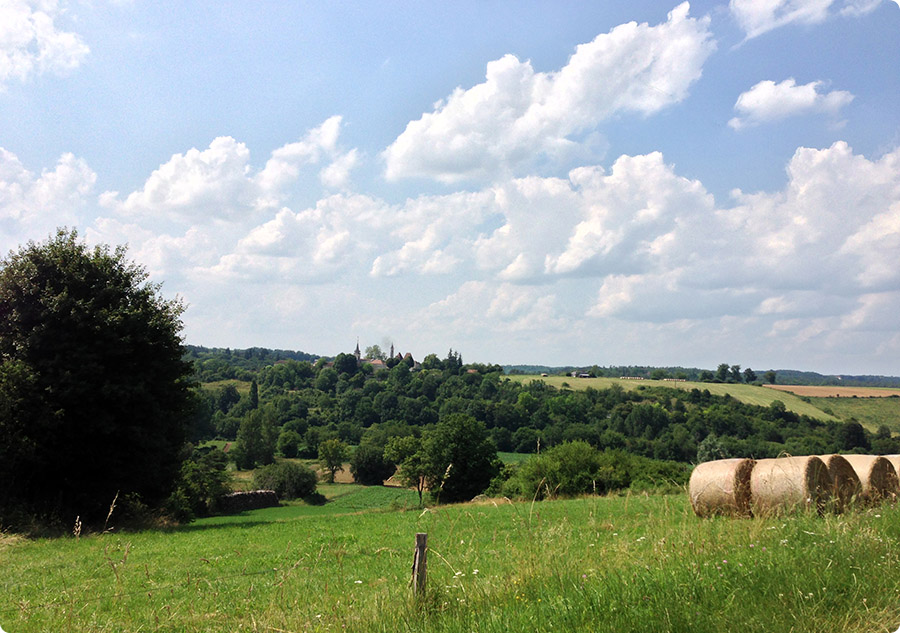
846,487
721,487
877,476
789,484
895,462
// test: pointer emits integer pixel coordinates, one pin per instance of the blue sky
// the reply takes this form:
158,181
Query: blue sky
589,183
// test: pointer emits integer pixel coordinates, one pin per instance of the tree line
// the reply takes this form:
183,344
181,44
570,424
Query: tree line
388,418
102,407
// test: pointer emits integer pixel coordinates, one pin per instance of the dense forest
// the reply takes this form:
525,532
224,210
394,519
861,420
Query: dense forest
292,407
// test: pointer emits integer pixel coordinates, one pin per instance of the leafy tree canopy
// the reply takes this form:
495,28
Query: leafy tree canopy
97,351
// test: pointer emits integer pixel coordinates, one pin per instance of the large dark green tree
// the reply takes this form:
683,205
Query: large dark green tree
462,458
95,394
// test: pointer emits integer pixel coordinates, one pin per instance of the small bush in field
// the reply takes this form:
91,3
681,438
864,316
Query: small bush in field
577,468
289,443
289,480
369,467
203,479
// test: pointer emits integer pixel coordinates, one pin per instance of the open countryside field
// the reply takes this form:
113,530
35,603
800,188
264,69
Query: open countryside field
750,394
827,391
242,386
870,412
632,563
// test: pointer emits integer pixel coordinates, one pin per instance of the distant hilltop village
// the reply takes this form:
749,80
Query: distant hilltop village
378,360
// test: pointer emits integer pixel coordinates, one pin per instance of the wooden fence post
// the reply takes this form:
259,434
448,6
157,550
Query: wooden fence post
420,563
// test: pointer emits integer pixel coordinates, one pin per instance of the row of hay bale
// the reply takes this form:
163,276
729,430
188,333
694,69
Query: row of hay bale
824,483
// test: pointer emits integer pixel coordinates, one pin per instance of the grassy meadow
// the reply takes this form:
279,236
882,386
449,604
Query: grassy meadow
619,563
751,394
870,412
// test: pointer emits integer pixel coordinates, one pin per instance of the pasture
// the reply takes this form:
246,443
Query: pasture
626,563
828,391
870,412
751,394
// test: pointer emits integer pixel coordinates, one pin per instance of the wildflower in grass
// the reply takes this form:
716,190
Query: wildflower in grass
474,572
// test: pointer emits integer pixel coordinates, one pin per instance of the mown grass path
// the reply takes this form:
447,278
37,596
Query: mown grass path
636,563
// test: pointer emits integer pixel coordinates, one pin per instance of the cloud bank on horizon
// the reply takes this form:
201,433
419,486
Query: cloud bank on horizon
711,183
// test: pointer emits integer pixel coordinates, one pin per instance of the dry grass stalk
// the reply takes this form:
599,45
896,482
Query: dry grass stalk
789,484
846,487
112,506
721,487
877,476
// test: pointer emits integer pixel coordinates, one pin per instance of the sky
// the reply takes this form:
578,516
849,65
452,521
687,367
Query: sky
626,182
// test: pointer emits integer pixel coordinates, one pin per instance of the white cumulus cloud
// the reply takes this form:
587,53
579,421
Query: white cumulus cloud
756,17
197,186
519,115
33,206
320,145
31,43
769,101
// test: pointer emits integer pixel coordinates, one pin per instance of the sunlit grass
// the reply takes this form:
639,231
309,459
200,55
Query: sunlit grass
631,563
870,412
750,394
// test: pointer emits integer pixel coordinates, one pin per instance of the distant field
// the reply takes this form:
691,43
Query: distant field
242,386
750,394
826,391
870,412
513,458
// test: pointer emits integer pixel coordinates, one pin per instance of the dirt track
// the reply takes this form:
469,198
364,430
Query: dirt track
816,391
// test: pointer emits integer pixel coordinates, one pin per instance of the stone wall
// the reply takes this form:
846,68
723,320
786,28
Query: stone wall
250,500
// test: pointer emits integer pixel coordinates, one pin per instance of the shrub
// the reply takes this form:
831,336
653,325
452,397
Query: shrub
202,481
369,467
289,480
289,443
576,468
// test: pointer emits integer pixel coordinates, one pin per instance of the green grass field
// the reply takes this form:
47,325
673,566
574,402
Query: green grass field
513,458
870,412
632,563
750,394
242,386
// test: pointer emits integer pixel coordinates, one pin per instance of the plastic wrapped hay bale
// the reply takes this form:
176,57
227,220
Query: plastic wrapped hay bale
789,484
877,476
846,487
721,487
